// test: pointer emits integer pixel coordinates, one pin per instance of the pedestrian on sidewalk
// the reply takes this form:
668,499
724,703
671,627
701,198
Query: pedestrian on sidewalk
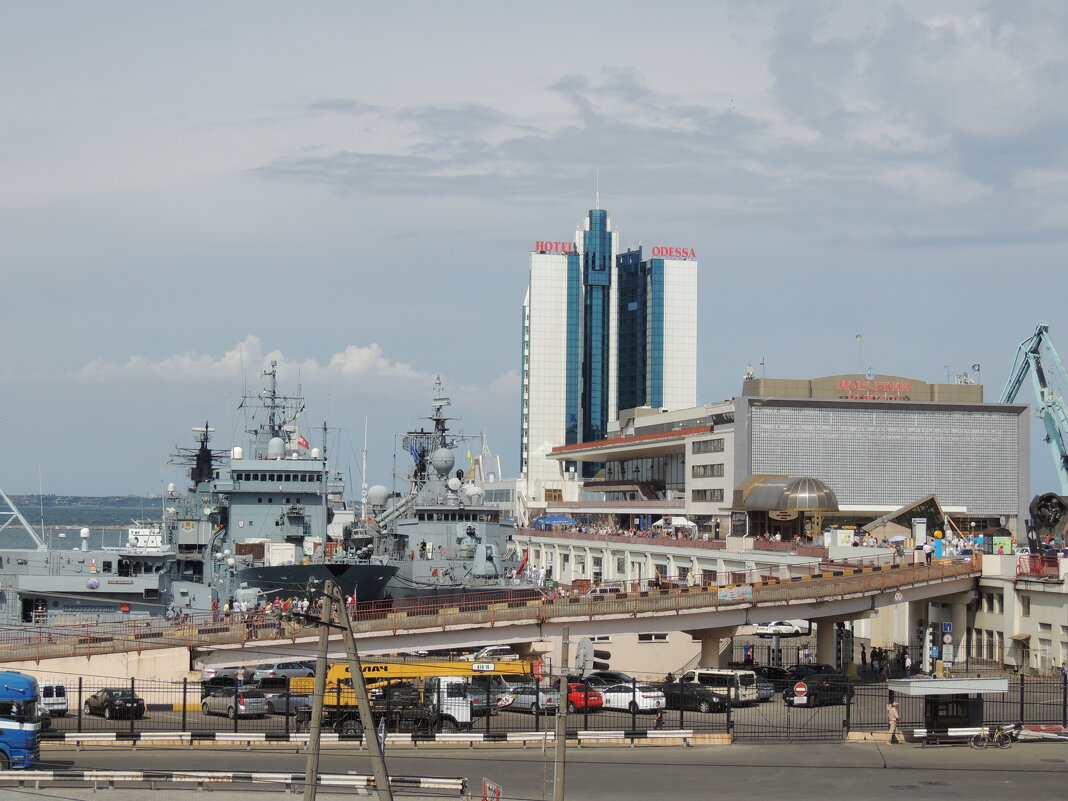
893,716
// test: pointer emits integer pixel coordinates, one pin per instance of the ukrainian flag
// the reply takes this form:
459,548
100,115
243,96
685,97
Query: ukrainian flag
857,337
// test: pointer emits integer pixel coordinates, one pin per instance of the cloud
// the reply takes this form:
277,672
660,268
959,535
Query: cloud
354,363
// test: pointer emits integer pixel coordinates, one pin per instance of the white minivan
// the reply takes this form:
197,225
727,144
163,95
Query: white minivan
54,697
738,685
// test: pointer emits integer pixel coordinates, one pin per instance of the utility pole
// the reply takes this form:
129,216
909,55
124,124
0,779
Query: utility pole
311,767
363,701
561,720
332,600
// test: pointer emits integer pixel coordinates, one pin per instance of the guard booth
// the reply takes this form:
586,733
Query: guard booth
952,708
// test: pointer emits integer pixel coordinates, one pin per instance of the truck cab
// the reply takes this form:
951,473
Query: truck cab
20,721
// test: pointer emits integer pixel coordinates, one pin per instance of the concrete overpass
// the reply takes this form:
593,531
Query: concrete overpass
711,614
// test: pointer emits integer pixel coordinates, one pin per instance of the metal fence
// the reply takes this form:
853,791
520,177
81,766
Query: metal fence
178,707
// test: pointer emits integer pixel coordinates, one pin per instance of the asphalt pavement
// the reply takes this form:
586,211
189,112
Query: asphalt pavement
612,773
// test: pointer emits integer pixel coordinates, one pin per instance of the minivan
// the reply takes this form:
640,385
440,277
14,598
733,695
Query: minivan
54,697
738,685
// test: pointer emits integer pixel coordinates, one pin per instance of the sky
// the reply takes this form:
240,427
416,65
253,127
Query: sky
189,190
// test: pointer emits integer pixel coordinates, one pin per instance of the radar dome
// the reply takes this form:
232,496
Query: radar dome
84,533
239,452
442,460
276,448
377,495
454,483
473,491
315,454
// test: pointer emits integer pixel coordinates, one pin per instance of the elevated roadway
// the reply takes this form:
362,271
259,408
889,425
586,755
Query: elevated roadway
710,613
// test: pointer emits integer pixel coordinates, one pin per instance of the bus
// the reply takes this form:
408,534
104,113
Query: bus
20,721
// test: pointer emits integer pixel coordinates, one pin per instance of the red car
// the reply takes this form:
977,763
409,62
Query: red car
579,696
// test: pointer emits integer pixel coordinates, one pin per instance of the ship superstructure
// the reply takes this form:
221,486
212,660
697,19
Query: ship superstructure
442,536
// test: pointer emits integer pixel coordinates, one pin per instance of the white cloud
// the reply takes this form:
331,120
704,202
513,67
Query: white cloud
355,362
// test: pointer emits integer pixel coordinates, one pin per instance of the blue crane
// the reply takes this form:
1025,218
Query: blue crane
1051,408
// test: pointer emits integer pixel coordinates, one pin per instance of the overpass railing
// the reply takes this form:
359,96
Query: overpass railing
470,609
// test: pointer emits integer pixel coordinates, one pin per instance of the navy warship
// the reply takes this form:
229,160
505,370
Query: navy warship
246,528
442,537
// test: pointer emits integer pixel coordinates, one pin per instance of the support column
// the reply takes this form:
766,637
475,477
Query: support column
717,646
958,615
825,640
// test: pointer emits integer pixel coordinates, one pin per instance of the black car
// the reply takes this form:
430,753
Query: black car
803,671
208,686
780,678
687,695
821,688
115,703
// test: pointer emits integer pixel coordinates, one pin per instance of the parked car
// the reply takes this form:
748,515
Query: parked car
603,591
765,690
234,702
113,702
216,683
784,628
803,671
633,697
54,698
780,678
580,698
821,688
612,676
593,682
488,692
274,670
534,699
208,673
678,695
285,702
491,653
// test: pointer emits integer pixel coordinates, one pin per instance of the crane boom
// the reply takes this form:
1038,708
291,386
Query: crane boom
1051,408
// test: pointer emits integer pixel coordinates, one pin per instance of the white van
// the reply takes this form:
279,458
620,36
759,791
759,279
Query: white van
54,697
738,685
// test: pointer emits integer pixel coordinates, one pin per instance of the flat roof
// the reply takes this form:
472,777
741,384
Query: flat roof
926,686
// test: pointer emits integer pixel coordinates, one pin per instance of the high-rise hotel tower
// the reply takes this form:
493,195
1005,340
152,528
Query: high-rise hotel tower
602,331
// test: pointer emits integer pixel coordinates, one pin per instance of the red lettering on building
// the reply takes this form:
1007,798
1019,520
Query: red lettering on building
843,386
554,247
673,253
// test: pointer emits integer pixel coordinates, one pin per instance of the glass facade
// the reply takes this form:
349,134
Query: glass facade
573,372
633,309
597,276
641,331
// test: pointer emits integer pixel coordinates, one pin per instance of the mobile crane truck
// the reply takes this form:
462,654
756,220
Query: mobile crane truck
420,697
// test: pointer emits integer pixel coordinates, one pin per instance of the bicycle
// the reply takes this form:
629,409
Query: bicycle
1000,736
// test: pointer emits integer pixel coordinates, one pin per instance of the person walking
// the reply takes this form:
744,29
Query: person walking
863,659
928,552
908,666
893,717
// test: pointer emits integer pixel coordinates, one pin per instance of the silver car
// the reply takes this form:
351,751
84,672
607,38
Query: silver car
534,699
275,670
235,703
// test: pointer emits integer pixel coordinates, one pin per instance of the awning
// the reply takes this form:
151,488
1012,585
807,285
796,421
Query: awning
1022,638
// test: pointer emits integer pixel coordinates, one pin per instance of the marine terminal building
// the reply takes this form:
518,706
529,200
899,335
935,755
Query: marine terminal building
880,443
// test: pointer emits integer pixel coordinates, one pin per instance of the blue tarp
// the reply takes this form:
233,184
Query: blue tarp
548,521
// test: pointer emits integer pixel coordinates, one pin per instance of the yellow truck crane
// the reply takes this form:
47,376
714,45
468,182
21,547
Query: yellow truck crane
421,697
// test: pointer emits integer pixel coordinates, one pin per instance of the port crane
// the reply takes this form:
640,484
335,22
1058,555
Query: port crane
1037,356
